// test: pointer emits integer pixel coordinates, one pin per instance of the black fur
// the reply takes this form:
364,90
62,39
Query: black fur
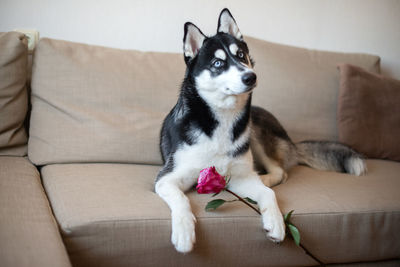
241,150
241,124
205,55
167,168
190,112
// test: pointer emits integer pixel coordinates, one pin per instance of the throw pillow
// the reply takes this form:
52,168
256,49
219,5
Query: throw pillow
13,93
369,113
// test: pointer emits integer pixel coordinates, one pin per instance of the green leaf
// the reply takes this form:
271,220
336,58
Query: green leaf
295,233
214,204
250,200
287,216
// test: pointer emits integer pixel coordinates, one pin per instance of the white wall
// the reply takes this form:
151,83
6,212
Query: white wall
371,26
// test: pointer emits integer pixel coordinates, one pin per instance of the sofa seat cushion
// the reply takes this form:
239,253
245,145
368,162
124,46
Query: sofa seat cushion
28,232
110,216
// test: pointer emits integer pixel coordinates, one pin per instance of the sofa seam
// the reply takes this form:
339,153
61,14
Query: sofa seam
69,228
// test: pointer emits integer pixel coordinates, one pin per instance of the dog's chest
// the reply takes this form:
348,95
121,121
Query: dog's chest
215,150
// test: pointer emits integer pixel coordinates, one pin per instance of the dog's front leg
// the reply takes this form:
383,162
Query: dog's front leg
171,188
252,187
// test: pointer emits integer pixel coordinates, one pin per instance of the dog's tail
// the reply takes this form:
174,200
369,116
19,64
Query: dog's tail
330,156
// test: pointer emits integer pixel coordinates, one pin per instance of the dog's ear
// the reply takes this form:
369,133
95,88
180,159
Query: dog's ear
227,24
193,40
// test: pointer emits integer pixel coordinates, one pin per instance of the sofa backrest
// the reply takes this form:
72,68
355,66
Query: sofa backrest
13,93
300,86
96,104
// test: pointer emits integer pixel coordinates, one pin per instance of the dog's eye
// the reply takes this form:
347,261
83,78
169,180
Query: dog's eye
240,54
218,64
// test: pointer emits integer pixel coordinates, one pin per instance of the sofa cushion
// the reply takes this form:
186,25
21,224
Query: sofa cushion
13,93
96,104
300,86
369,113
110,216
29,235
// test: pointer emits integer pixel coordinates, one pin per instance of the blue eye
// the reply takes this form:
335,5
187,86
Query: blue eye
240,54
218,64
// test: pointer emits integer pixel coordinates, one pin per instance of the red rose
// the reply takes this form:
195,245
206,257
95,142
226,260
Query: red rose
210,181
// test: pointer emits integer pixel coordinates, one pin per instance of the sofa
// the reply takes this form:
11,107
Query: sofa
79,155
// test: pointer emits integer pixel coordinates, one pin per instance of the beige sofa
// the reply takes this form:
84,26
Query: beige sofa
79,190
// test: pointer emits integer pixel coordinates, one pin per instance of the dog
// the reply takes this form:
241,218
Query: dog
214,124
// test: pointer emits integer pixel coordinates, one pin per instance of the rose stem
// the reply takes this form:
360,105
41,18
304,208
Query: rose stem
244,201
301,245
311,255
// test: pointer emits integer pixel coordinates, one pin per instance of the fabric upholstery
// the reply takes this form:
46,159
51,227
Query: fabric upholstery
13,93
369,113
300,86
28,232
96,104
110,216
388,263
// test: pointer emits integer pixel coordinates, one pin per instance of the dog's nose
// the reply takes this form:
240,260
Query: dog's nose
249,78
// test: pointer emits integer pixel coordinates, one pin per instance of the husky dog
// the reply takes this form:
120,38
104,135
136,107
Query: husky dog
214,124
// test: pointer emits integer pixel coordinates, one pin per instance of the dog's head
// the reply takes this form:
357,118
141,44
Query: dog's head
220,66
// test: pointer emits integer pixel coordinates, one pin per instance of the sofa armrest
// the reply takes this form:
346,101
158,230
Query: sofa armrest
29,234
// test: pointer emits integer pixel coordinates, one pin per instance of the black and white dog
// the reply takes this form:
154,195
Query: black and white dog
214,124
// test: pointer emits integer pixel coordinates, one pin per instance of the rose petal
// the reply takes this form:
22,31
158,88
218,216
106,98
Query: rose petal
210,181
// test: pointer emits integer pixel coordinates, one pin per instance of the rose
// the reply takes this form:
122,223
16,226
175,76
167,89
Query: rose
210,181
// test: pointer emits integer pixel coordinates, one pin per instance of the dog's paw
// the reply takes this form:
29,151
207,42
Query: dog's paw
273,224
183,235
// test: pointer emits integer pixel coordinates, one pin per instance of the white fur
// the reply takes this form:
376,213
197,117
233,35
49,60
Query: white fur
213,150
233,48
357,166
221,91
171,189
220,54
